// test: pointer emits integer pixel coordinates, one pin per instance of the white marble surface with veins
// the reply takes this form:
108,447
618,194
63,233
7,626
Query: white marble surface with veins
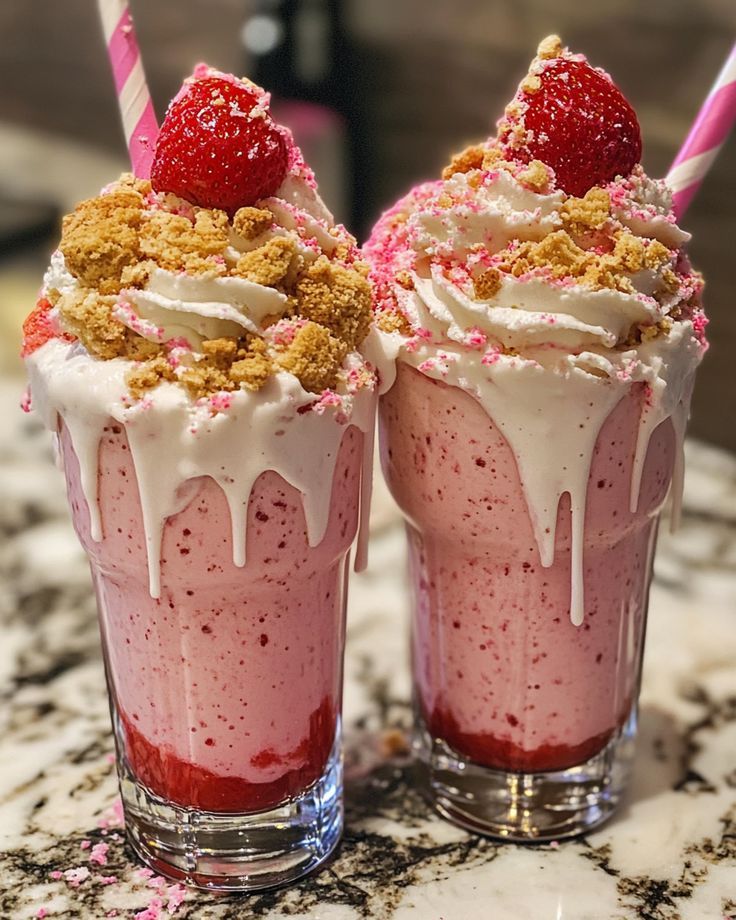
670,854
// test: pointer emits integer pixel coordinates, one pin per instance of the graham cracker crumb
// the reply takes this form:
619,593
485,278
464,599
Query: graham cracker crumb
252,371
561,256
142,186
588,213
221,352
88,316
492,157
148,375
228,364
205,379
557,252
465,161
177,244
670,281
656,255
531,83
628,253
393,321
535,176
99,238
487,284
314,357
137,275
252,222
269,264
550,47
445,201
405,280
337,298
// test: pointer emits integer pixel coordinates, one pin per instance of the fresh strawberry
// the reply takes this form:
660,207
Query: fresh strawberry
218,147
579,123
38,329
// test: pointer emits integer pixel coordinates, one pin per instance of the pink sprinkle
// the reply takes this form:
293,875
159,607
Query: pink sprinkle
107,879
113,817
75,877
85,844
56,875
220,402
475,338
41,912
145,873
157,881
152,912
700,321
491,356
25,404
110,758
175,897
99,854
328,399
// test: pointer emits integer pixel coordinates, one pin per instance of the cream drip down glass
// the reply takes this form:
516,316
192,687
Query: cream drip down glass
214,419
531,429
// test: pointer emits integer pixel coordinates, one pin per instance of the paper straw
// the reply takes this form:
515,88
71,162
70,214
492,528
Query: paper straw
707,135
134,99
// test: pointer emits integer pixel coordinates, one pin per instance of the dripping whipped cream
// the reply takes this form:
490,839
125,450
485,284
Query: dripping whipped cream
254,433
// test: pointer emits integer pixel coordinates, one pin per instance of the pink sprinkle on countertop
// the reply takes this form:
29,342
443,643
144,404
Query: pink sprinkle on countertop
75,877
99,854
153,911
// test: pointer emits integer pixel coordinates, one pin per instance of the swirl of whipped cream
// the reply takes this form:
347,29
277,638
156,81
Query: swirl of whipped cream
447,234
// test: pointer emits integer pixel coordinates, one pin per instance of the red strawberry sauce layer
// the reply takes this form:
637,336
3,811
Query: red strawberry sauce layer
186,784
490,750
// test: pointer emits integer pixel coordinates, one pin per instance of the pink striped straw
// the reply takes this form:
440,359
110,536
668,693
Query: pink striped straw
134,99
707,135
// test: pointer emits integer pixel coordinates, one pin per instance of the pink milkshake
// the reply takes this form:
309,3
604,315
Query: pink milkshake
546,326
196,352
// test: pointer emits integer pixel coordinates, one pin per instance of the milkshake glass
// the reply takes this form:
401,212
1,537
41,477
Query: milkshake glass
545,345
214,422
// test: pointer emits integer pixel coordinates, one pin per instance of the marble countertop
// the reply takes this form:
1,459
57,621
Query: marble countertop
670,854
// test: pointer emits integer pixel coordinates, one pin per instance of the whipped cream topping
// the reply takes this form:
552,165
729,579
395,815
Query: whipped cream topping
548,355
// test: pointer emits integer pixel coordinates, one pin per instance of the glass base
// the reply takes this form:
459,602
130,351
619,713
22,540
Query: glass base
525,807
237,852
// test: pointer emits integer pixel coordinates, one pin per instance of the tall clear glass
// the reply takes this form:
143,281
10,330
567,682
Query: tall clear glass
524,721
226,691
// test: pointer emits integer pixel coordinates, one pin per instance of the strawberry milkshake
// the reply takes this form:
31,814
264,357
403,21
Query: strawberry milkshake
196,353
545,325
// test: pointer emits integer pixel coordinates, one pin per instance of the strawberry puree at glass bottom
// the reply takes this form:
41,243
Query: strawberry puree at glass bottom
228,686
501,674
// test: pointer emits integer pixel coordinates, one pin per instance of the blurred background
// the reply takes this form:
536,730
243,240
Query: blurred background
378,94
